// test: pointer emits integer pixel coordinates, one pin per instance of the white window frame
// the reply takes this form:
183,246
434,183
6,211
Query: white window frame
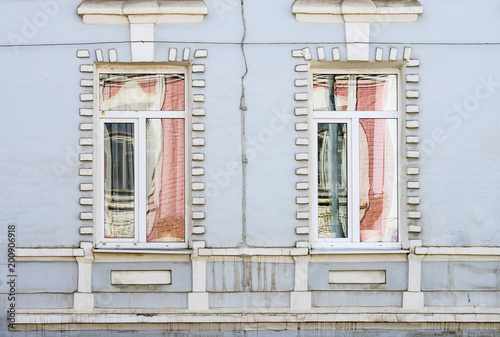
139,120
352,119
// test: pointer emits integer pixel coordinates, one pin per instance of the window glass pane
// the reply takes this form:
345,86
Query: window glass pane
332,92
163,92
332,180
378,200
165,180
119,180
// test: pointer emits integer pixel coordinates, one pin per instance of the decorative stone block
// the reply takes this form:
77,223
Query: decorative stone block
198,230
198,201
301,126
87,68
301,96
86,187
86,112
413,200
86,216
198,127
302,200
86,230
86,201
412,108
302,186
99,55
86,126
413,185
336,54
321,53
302,215
198,157
412,124
198,68
199,98
307,54
412,170
302,230
302,171
302,244
198,142
85,156
86,97
187,52
198,83
412,140
198,112
301,68
412,78
407,53
301,141
297,53
82,53
302,82
413,215
86,83
112,55
412,154
86,141
85,172
200,53
412,93
198,215
172,54
414,229
197,171
413,63
301,156
197,186
300,111
379,54
393,54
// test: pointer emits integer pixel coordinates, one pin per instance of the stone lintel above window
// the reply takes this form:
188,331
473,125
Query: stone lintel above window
146,11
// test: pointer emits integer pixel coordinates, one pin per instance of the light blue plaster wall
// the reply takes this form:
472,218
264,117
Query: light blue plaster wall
142,300
46,277
356,298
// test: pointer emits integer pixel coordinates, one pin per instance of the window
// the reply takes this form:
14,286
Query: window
142,165
355,124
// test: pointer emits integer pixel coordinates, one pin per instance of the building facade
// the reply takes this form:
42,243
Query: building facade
245,168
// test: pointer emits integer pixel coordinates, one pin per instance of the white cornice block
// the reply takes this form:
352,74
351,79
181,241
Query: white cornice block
357,35
86,141
198,156
413,185
198,201
99,55
300,68
412,108
302,200
186,54
393,54
413,200
307,54
198,127
301,141
301,126
87,68
86,83
199,98
198,230
412,124
198,68
412,171
86,126
86,201
198,84
197,186
379,54
86,97
412,154
302,230
414,229
407,53
412,140
113,57
413,215
412,78
413,63
302,215
85,156
300,111
336,54
86,230
86,112
297,53
302,82
200,53
301,244
86,216
302,171
301,96
85,172
301,186
86,187
199,112
198,215
321,53
172,54
82,53
197,171
198,142
301,156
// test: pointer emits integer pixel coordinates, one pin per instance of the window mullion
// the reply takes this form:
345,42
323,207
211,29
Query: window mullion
354,191
141,179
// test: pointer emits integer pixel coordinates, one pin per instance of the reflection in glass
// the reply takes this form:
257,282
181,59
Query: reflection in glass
334,92
165,180
332,180
378,180
119,180
138,92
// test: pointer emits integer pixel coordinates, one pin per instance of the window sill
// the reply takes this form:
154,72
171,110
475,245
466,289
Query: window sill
145,12
145,251
344,251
